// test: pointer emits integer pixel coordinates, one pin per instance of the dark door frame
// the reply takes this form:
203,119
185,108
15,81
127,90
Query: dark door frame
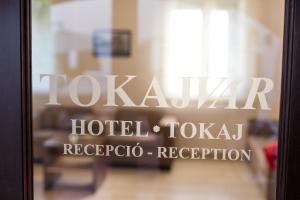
288,175
15,103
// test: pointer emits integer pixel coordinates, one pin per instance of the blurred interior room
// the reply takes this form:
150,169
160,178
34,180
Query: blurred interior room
165,39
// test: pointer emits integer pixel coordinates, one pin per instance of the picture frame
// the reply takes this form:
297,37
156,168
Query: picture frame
112,43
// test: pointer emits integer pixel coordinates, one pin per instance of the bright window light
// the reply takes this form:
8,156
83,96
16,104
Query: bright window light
218,46
184,50
196,49
218,43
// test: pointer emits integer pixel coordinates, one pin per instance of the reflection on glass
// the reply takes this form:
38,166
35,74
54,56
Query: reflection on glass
149,55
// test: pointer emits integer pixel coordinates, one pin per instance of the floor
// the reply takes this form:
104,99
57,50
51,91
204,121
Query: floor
188,180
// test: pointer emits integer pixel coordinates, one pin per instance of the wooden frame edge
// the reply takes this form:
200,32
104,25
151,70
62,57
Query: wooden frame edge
285,136
25,20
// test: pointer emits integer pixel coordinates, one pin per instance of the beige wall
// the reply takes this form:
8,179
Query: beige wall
125,16
270,13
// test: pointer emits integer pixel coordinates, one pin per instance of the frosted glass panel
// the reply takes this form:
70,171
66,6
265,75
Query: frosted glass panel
156,99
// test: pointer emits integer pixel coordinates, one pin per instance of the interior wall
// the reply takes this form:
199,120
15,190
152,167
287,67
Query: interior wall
270,15
274,21
140,64
144,60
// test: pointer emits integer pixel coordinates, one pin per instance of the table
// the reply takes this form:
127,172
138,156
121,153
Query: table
55,163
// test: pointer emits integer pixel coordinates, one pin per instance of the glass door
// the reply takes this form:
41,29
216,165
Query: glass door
156,99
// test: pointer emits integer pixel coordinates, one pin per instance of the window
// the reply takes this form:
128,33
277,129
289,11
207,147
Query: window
195,38
184,49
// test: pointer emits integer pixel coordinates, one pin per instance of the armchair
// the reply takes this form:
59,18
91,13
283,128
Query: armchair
149,118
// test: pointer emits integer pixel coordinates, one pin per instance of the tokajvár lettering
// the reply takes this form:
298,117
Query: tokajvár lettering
260,87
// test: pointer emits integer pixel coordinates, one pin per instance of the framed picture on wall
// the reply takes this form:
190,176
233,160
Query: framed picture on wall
112,43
